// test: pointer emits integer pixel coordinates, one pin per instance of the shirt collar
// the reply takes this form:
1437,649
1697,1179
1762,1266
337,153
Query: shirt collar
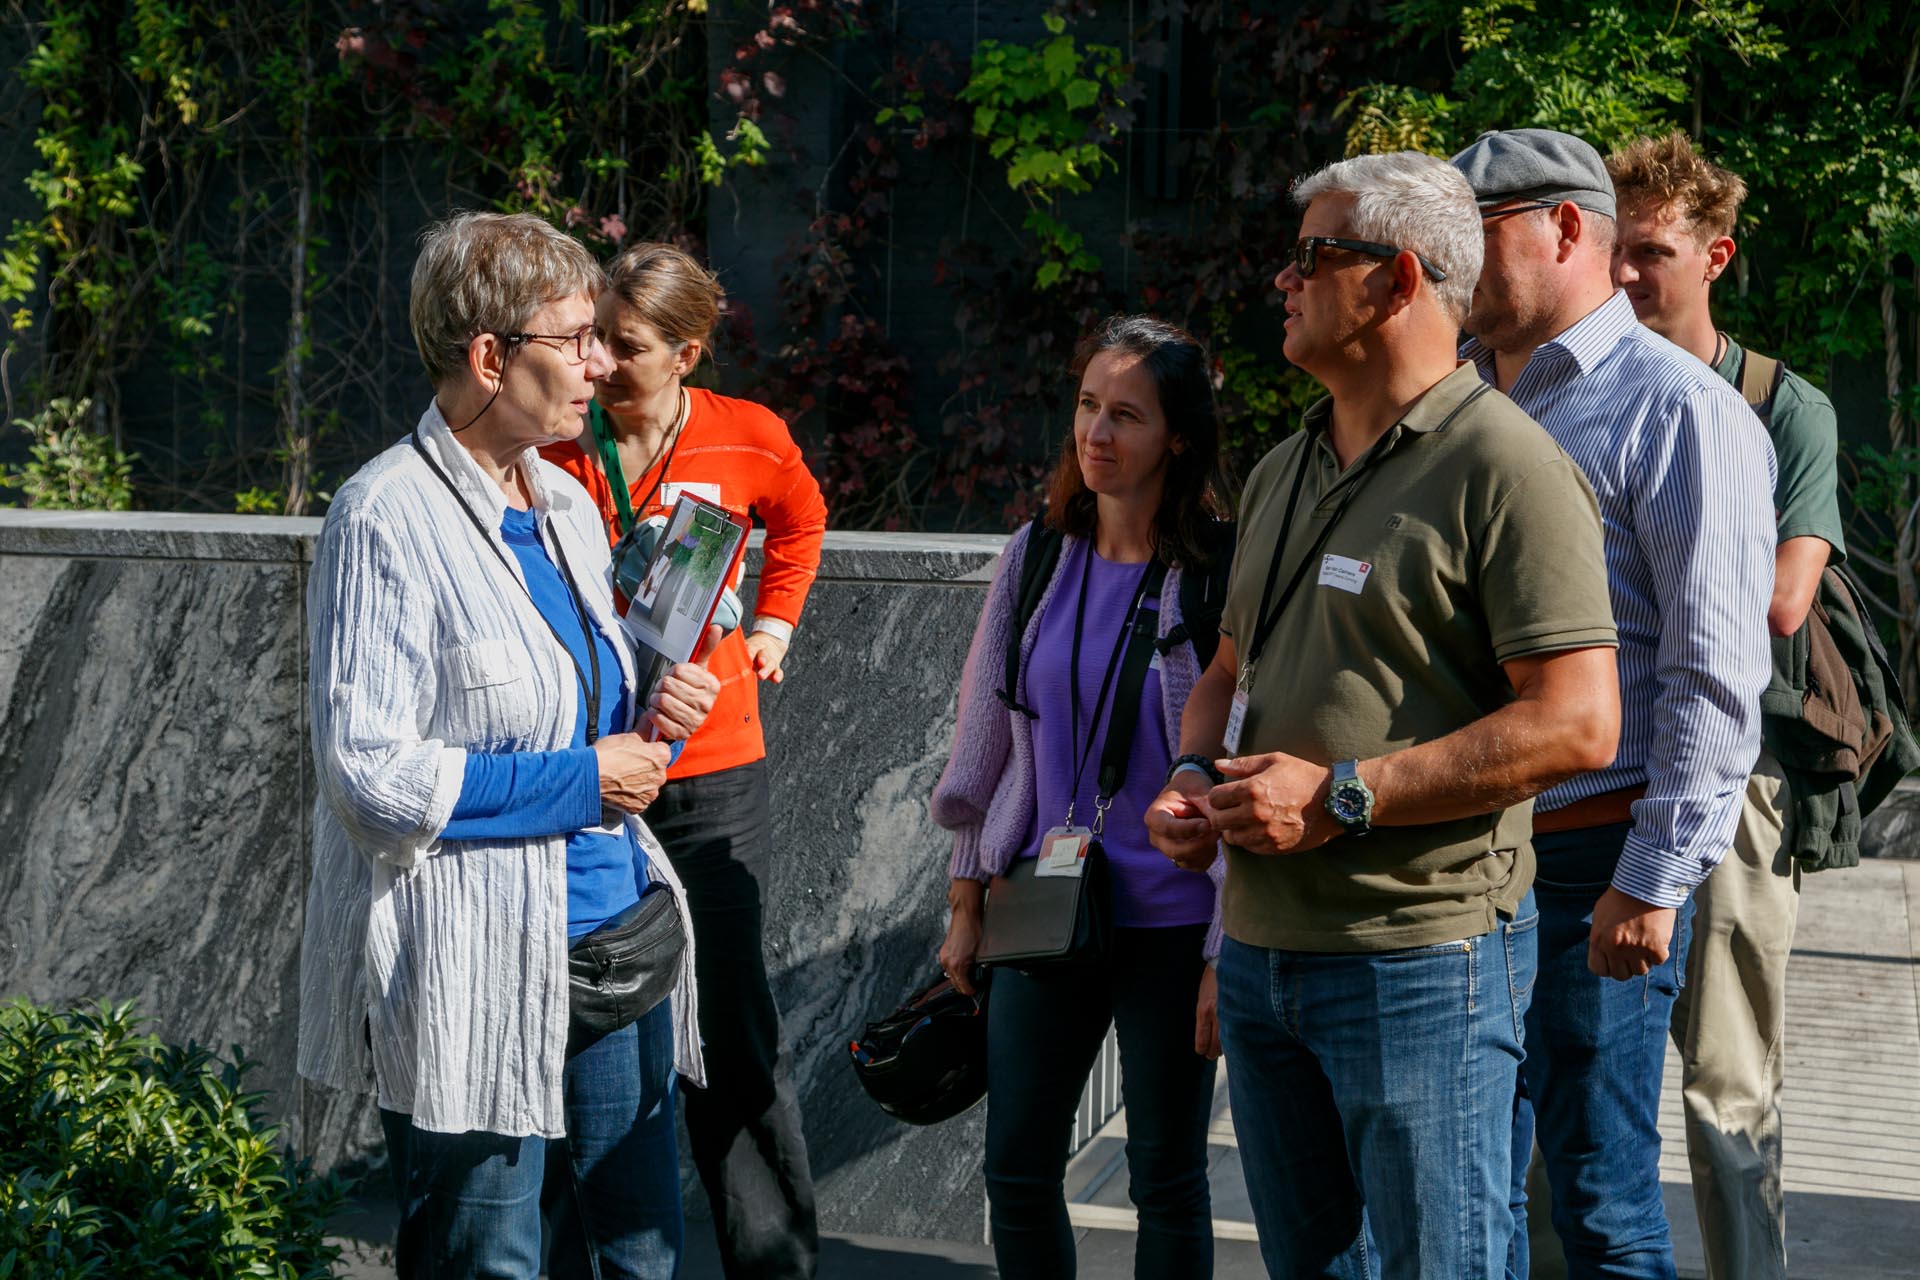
1587,341
481,493
1429,413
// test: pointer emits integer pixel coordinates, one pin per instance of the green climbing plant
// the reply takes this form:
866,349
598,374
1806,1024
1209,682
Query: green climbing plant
1051,111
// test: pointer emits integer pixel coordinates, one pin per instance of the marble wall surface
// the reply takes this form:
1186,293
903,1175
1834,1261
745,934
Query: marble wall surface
155,791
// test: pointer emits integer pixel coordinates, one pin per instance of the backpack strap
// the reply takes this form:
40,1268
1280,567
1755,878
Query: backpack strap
1760,378
1203,597
1125,716
1036,570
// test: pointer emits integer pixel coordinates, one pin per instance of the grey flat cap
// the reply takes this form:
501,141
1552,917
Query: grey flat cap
1536,164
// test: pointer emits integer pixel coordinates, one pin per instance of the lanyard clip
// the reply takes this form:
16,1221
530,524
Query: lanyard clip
1245,683
1100,806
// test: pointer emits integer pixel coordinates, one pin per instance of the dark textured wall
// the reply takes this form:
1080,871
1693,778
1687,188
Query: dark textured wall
155,793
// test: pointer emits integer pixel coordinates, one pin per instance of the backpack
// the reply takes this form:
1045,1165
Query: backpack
1202,598
1834,715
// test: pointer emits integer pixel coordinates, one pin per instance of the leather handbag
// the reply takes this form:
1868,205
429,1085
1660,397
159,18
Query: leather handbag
620,971
1037,923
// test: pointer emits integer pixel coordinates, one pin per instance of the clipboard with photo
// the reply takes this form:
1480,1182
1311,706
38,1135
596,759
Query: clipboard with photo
680,587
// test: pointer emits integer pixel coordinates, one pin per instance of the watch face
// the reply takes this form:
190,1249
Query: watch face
1349,804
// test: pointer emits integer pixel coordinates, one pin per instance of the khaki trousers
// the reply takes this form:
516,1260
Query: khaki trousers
1730,1027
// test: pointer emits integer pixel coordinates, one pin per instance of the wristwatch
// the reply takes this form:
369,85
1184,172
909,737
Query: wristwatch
1194,760
1350,800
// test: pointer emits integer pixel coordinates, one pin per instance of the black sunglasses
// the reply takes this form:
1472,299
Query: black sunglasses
1306,254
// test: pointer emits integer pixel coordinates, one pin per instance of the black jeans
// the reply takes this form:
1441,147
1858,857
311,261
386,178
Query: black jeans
1042,1037
744,1127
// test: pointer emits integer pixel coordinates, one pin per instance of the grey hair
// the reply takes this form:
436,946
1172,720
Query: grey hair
487,273
1411,201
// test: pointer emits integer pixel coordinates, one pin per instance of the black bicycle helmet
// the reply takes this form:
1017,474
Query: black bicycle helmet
927,1060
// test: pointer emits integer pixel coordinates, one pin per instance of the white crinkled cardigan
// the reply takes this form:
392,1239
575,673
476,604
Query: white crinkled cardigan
986,793
435,972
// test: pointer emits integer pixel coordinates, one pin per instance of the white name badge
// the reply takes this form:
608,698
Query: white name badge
670,493
1343,573
1236,721
1063,852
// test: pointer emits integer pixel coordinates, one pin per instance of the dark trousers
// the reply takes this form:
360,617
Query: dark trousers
744,1127
1043,1034
1595,1049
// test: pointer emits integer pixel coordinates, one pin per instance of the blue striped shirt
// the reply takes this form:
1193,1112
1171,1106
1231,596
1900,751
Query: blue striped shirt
1684,473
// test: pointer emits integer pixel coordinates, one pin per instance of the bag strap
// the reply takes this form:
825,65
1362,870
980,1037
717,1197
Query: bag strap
1125,716
1036,570
1760,378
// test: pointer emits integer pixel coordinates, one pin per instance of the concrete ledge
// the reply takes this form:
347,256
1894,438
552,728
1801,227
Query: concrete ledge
165,535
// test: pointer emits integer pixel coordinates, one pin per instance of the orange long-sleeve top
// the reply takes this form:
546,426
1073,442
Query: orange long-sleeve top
740,455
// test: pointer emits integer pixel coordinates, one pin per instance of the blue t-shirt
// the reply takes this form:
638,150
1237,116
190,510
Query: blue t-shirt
520,794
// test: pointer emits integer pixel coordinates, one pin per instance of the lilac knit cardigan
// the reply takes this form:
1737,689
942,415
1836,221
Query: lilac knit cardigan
986,795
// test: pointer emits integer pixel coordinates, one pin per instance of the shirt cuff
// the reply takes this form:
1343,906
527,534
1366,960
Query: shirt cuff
781,631
1659,876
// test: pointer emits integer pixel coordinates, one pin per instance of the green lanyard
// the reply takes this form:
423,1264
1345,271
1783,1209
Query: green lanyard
610,463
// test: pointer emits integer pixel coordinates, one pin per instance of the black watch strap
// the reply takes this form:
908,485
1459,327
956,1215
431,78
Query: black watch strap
1200,762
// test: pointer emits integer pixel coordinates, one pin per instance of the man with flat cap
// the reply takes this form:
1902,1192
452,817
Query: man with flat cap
1684,474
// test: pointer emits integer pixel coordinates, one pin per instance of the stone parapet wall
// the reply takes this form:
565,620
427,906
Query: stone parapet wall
155,793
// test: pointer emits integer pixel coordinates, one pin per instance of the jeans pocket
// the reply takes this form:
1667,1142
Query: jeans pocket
1522,942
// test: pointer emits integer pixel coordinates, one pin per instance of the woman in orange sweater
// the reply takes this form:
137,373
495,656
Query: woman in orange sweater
652,440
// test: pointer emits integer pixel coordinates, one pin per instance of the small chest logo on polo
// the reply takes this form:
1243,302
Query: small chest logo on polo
1394,522
1344,574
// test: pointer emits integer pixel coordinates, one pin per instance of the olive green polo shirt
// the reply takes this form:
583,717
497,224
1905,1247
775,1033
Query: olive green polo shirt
1472,539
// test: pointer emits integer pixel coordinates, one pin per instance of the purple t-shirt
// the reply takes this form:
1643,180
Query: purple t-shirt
1148,891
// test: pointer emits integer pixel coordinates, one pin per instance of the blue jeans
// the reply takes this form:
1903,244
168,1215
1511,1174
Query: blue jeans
1380,1079
470,1203
1595,1048
1042,1036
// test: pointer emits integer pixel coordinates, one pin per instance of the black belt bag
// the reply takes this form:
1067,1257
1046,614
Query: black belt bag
620,971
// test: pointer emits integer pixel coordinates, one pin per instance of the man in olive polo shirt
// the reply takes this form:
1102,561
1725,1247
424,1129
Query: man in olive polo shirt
1417,640
1677,212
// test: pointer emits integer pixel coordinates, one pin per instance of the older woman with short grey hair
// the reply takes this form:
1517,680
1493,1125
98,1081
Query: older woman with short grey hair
480,755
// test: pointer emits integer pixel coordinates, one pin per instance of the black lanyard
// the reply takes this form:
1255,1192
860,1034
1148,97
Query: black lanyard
1082,757
573,593
1268,619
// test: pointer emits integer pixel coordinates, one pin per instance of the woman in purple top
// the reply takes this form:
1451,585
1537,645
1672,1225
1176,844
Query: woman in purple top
1139,481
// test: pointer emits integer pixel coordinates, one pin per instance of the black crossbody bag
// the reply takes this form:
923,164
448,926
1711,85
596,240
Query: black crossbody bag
1038,923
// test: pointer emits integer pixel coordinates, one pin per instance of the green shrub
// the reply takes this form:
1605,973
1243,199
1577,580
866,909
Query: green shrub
124,1156
71,467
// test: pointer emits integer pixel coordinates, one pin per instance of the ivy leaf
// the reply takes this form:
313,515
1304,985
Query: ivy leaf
1060,60
1082,93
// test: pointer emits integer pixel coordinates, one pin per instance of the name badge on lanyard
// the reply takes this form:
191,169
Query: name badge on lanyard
1236,722
1063,852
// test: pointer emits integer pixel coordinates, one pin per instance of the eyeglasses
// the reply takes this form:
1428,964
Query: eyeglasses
1306,254
1529,207
582,340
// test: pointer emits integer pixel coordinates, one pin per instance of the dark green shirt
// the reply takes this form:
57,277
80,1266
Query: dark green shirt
1806,445
1471,540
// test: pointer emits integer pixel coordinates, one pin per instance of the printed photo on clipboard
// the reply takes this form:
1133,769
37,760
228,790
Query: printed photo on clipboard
681,586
